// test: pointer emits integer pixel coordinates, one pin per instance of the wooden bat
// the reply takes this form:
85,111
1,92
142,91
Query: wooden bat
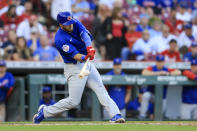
84,72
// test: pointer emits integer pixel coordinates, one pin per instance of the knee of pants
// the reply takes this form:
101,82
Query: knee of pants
146,96
125,53
73,103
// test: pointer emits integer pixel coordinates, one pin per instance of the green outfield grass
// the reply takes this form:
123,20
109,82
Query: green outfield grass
100,126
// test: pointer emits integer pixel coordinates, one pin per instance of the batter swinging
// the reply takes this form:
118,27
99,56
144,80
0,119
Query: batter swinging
74,43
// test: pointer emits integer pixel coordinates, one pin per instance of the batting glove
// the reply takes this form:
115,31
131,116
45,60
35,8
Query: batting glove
91,52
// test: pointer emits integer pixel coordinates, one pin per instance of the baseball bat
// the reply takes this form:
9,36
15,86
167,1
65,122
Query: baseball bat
83,71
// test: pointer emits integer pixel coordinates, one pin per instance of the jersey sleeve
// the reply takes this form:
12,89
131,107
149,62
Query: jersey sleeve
85,35
68,48
11,80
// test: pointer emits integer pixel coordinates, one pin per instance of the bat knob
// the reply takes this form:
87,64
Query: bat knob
83,74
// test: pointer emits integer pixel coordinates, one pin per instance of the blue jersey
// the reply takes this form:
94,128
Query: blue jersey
70,44
51,102
189,57
189,94
29,43
46,54
155,69
118,93
135,105
6,82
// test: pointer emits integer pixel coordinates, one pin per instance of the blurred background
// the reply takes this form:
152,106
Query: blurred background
146,54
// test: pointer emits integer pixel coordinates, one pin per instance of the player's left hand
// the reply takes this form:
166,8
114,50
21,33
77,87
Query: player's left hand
91,52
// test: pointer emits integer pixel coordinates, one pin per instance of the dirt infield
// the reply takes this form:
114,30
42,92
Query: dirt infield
173,123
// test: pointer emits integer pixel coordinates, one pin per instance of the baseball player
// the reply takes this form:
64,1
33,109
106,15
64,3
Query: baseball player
158,69
46,97
74,44
6,87
120,94
135,104
189,94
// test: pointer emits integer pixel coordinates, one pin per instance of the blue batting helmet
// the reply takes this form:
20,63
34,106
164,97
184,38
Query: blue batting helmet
117,61
160,58
65,18
46,89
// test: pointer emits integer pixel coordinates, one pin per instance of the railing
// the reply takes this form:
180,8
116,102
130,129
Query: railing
136,80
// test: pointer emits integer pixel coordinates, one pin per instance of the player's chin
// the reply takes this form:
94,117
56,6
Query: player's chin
69,30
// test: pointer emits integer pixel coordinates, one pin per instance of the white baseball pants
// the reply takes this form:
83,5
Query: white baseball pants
188,111
2,112
76,87
146,98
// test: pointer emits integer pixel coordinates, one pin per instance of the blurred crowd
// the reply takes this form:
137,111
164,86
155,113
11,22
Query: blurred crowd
130,29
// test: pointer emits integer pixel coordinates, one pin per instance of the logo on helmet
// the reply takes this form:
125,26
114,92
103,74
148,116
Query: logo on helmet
69,18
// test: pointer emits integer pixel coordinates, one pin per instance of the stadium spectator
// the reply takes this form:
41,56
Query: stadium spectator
19,7
10,45
190,56
21,52
27,9
144,19
194,23
175,26
46,96
167,3
4,5
6,87
156,28
80,8
186,38
183,14
187,4
158,69
98,29
171,54
51,35
120,94
108,3
142,46
1,29
34,42
131,37
24,28
10,17
189,97
115,30
160,43
1,24
45,52
148,3
59,6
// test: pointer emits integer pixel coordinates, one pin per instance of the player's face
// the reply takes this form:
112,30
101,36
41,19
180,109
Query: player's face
194,50
173,46
68,28
194,68
47,96
117,69
160,64
2,69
